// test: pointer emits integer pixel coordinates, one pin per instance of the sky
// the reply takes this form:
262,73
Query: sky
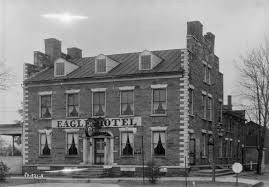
121,26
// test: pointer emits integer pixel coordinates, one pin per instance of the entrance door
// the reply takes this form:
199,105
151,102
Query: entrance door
99,153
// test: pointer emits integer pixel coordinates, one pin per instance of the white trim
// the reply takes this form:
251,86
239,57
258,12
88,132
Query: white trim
36,84
158,128
71,130
72,91
130,129
156,86
191,87
204,92
47,131
126,88
209,95
45,93
98,89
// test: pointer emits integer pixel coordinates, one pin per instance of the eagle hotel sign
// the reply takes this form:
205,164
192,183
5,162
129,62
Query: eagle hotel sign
108,122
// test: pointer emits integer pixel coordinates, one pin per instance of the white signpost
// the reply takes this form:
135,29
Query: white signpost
237,168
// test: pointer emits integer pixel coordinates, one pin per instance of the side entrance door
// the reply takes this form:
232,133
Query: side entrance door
192,151
99,153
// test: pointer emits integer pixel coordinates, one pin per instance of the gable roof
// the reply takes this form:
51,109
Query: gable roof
128,65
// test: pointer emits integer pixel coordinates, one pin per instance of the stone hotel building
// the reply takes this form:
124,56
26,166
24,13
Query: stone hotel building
170,98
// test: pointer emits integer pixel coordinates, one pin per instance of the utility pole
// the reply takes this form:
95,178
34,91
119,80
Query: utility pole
143,161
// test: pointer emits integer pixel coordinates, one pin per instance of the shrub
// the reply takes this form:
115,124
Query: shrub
3,171
152,172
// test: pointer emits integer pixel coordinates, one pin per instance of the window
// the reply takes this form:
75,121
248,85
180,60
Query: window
72,144
127,102
231,149
145,62
158,143
209,108
220,147
101,65
45,107
205,73
209,75
60,68
204,145
204,106
159,101
225,149
72,105
99,104
127,143
191,101
45,144
220,112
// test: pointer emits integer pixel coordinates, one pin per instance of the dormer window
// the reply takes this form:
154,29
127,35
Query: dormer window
59,69
148,60
145,62
101,65
104,64
62,67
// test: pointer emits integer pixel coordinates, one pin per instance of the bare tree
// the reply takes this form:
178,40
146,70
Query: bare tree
5,77
254,74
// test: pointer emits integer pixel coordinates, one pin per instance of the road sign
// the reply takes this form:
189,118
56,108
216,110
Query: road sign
237,167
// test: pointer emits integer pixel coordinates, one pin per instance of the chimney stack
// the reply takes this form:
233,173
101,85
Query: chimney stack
230,106
210,37
53,49
74,52
195,28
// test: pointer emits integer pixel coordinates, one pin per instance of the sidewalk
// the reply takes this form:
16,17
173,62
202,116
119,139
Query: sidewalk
224,179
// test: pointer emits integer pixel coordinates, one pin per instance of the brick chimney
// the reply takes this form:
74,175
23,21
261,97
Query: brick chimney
41,59
74,52
53,49
210,38
229,105
195,28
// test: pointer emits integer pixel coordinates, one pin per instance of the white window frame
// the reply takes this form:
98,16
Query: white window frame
125,90
46,93
210,108
55,69
129,130
158,87
97,90
71,131
191,99
44,131
66,105
96,65
204,106
140,62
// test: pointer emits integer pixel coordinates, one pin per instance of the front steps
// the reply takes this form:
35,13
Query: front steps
207,171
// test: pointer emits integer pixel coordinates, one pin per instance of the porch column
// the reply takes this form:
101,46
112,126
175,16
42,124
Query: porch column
105,153
111,151
85,150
